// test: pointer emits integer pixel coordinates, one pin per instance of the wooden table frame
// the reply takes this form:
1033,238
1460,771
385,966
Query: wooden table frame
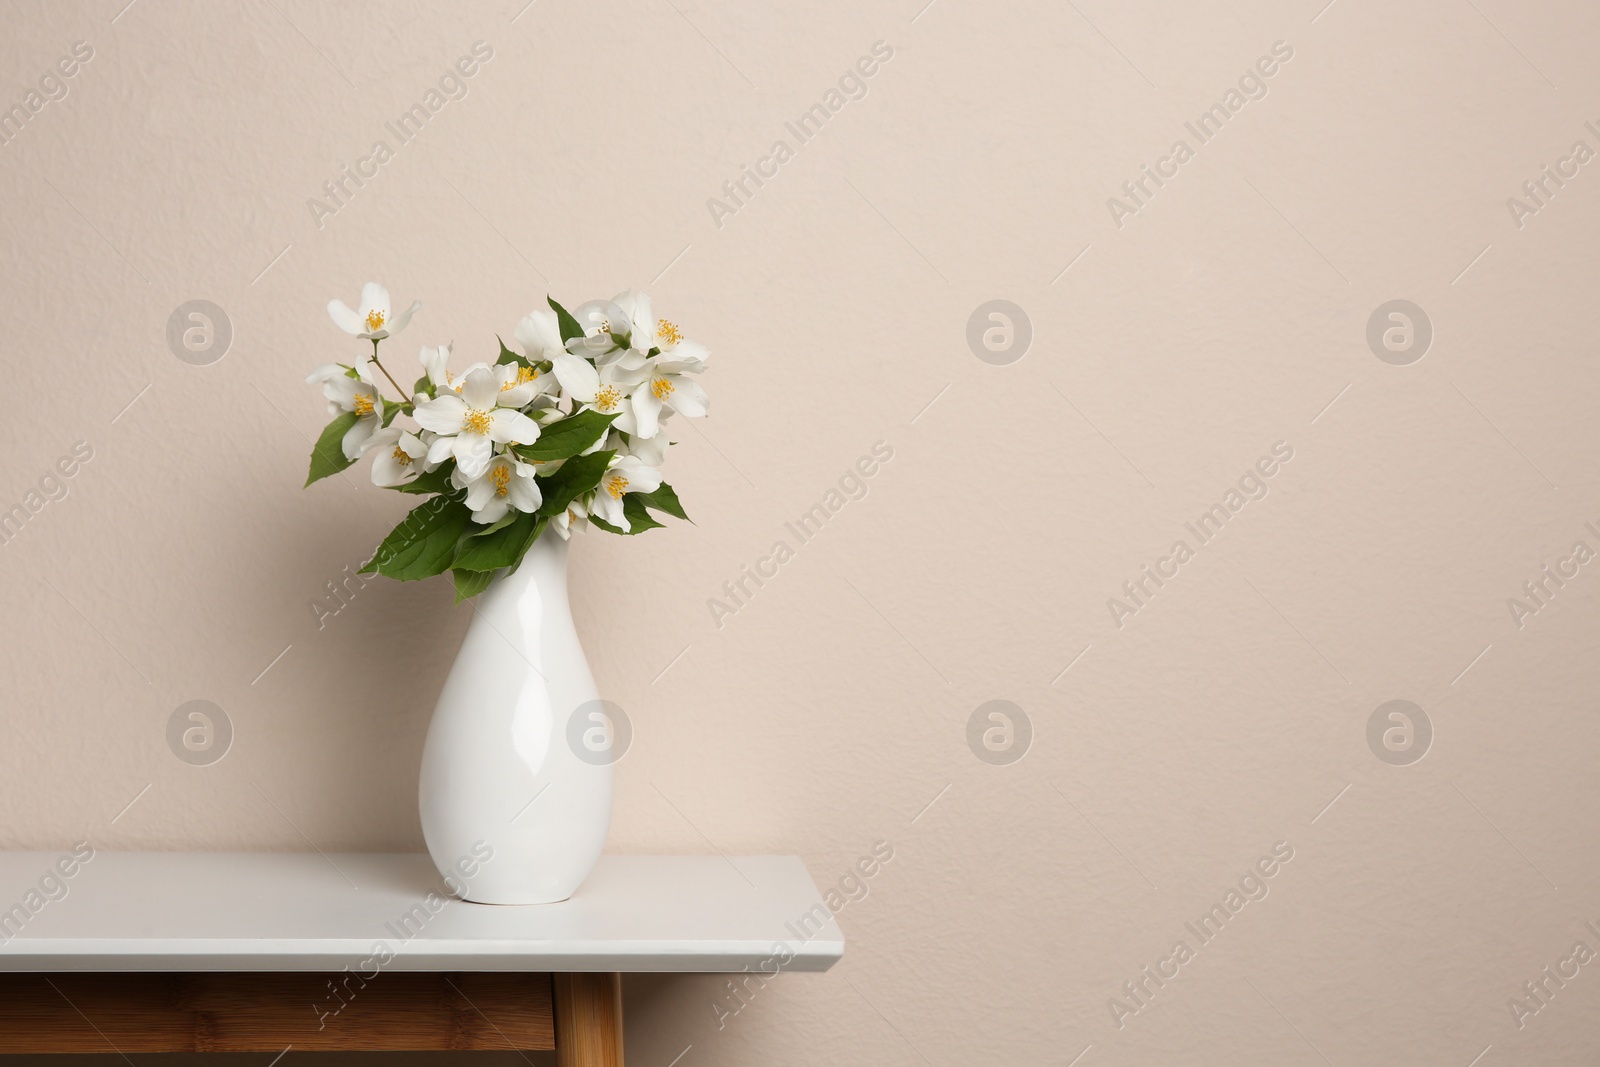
578,1015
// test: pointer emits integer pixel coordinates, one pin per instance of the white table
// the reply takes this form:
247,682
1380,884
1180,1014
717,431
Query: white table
191,951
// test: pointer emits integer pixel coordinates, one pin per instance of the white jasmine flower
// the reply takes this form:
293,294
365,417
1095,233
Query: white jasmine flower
506,483
471,423
612,396
663,388
564,523
539,334
675,352
435,363
605,325
401,456
519,385
356,394
651,452
375,319
627,474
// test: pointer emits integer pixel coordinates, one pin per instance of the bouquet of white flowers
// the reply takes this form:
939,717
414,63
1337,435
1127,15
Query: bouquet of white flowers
566,432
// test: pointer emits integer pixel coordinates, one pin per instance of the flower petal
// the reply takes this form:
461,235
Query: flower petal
653,452
480,389
518,395
644,323
355,438
577,376
347,320
609,508
625,422
473,452
539,334
684,356
342,391
646,411
388,436
435,359
444,415
479,492
442,449
512,427
374,297
388,471
404,318
525,495
642,478
325,373
493,511
688,398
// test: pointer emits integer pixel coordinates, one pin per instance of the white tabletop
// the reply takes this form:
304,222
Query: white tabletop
293,911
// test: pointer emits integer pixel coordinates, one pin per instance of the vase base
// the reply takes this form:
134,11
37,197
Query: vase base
513,901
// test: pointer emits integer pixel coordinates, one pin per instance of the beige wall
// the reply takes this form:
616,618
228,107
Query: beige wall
1220,318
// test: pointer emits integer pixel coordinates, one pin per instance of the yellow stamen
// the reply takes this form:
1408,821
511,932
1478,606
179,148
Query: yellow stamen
374,321
668,334
362,403
661,388
607,398
615,484
524,376
400,456
501,477
476,421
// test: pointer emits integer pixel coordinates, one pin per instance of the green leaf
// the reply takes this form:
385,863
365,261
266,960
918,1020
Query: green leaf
569,325
470,583
577,476
568,437
424,543
500,545
428,482
508,356
663,499
639,520
424,385
327,455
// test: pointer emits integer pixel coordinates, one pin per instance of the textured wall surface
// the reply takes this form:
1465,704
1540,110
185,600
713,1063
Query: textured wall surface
1165,344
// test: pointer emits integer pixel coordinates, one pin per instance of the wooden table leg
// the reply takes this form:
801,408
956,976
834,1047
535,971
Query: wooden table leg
588,1020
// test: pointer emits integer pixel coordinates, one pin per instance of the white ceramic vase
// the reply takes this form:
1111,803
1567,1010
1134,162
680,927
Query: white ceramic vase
511,812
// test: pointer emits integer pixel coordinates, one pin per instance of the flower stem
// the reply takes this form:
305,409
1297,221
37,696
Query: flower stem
386,374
